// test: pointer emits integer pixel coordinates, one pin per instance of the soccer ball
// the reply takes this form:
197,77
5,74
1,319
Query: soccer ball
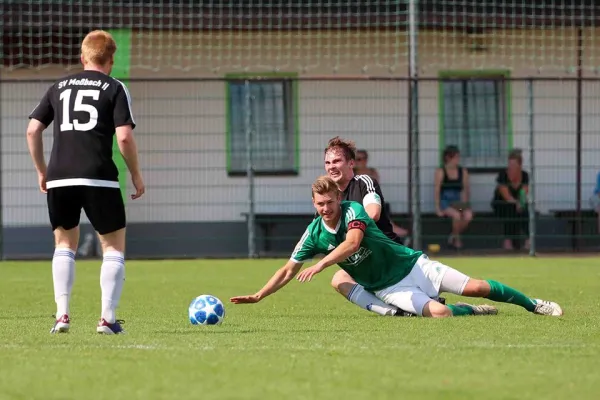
206,310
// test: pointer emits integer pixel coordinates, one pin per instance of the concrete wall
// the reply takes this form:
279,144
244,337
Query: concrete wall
181,125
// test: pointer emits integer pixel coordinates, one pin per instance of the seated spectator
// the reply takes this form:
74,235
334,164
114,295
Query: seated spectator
595,200
510,200
361,168
451,194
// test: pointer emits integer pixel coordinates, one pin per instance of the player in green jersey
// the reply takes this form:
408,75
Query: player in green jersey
396,274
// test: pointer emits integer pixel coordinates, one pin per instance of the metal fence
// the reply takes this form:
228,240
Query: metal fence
228,163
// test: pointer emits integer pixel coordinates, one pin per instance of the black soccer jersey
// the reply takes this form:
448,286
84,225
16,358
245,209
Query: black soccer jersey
366,190
86,108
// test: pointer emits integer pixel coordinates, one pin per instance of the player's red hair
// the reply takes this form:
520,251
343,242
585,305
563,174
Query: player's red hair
98,48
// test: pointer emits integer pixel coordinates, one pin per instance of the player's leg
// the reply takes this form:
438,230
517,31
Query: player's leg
467,217
457,224
106,211
456,282
418,292
407,296
355,293
64,210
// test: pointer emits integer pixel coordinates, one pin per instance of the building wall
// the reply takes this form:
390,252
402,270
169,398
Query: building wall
181,125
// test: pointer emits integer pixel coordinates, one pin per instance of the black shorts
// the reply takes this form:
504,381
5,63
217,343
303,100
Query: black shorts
103,206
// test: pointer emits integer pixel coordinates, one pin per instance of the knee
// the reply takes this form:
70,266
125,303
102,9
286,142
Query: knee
342,282
454,214
66,238
114,241
433,309
476,288
467,215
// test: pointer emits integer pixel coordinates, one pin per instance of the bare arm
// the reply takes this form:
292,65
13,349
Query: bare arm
348,247
466,192
372,196
506,194
128,148
374,211
343,251
281,278
439,175
36,145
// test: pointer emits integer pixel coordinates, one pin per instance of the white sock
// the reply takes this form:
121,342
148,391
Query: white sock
63,276
359,296
112,277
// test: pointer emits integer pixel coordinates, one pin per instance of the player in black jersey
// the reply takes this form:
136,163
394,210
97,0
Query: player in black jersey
88,109
339,163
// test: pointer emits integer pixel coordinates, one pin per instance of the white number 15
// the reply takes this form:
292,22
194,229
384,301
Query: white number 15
79,106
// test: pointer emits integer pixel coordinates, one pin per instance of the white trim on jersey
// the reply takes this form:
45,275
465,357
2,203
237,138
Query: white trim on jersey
128,100
337,227
82,182
371,198
368,181
350,215
299,246
35,108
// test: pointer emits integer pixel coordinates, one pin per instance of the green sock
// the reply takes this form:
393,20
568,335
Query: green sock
505,294
457,311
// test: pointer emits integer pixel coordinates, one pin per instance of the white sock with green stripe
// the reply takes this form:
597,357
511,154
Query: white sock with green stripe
359,296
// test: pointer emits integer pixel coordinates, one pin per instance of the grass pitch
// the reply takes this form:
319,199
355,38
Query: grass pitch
305,342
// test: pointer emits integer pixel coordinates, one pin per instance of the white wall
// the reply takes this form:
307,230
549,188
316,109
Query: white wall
181,128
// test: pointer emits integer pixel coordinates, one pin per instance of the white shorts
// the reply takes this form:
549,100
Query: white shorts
425,282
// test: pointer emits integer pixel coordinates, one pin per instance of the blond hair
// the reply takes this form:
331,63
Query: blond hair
347,147
324,185
98,47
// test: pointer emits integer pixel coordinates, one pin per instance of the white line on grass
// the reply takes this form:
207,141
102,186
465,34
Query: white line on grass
158,347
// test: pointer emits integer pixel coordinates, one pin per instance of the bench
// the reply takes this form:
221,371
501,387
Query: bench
572,217
485,231
268,221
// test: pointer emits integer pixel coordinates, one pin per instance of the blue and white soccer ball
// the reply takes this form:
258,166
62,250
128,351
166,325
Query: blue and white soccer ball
206,310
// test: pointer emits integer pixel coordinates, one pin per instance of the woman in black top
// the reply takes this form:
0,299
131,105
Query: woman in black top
452,194
510,201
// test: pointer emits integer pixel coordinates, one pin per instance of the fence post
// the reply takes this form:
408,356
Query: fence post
532,183
249,169
1,171
415,187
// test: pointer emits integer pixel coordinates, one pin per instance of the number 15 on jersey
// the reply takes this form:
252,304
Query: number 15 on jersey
79,106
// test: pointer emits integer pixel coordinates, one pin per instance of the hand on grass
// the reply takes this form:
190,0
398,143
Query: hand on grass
308,273
245,299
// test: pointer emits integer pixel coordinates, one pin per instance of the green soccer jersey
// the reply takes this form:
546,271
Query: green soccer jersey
379,262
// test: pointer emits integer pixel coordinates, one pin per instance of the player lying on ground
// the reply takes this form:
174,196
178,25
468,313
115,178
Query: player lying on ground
87,109
340,157
398,275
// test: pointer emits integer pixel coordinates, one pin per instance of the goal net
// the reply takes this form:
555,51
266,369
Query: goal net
308,36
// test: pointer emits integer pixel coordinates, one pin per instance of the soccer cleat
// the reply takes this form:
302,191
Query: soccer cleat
441,300
544,307
61,325
480,309
110,329
402,313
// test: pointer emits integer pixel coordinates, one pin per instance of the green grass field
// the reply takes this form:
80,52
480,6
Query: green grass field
305,342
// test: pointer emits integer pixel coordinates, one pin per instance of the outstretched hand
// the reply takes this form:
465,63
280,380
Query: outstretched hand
245,299
308,273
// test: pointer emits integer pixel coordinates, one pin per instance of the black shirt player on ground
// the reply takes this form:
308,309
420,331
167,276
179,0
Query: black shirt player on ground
340,156
88,109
